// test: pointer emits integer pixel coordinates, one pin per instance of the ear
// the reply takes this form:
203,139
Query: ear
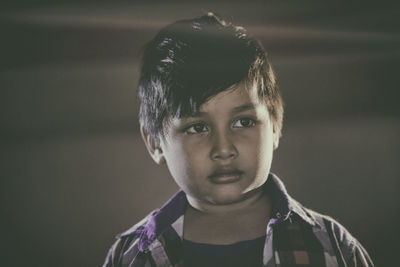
153,147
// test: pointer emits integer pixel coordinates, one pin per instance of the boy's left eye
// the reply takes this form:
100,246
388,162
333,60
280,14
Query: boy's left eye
244,122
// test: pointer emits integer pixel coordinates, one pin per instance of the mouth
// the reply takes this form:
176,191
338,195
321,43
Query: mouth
225,176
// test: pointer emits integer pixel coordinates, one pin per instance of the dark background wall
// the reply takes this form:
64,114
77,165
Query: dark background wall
74,171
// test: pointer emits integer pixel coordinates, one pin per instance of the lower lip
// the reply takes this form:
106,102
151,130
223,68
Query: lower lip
225,179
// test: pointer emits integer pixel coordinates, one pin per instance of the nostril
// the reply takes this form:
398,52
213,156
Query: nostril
227,153
225,156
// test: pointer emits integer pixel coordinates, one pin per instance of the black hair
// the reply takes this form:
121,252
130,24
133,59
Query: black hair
190,61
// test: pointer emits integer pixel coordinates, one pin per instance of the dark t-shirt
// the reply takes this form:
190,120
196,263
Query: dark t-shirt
244,253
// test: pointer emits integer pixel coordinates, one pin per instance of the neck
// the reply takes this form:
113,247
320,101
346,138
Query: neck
254,199
225,224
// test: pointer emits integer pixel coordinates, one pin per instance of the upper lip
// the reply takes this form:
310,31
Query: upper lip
221,171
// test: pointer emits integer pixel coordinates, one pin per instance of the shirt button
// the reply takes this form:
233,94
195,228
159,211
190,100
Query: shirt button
278,215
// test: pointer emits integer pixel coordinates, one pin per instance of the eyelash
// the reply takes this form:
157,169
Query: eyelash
187,129
252,122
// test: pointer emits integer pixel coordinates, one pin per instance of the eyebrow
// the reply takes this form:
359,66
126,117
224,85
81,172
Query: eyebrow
244,107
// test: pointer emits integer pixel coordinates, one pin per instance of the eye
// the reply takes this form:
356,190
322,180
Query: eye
196,128
243,123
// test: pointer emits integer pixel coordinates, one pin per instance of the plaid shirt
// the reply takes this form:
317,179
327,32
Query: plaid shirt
295,236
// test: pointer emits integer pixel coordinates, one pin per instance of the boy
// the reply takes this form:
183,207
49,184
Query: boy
210,109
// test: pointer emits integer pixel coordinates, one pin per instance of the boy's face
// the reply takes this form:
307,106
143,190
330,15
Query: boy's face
223,153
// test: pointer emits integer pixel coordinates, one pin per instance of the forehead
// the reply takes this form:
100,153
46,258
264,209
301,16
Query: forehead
238,97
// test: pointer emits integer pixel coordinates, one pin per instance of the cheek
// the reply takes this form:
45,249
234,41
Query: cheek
258,148
196,154
185,159
266,150
175,158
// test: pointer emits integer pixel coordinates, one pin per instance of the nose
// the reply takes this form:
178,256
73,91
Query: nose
223,147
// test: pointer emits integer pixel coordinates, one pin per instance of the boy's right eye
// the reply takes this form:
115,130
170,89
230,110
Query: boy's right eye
196,128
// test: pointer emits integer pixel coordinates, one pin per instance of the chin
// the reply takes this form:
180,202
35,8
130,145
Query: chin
226,194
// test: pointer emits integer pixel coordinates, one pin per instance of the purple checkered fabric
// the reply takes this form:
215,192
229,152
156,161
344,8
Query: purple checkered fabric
295,236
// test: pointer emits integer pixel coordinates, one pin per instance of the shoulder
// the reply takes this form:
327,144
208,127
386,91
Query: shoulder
126,248
340,247
348,248
336,232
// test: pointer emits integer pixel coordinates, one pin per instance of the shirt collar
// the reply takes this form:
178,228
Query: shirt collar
283,206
